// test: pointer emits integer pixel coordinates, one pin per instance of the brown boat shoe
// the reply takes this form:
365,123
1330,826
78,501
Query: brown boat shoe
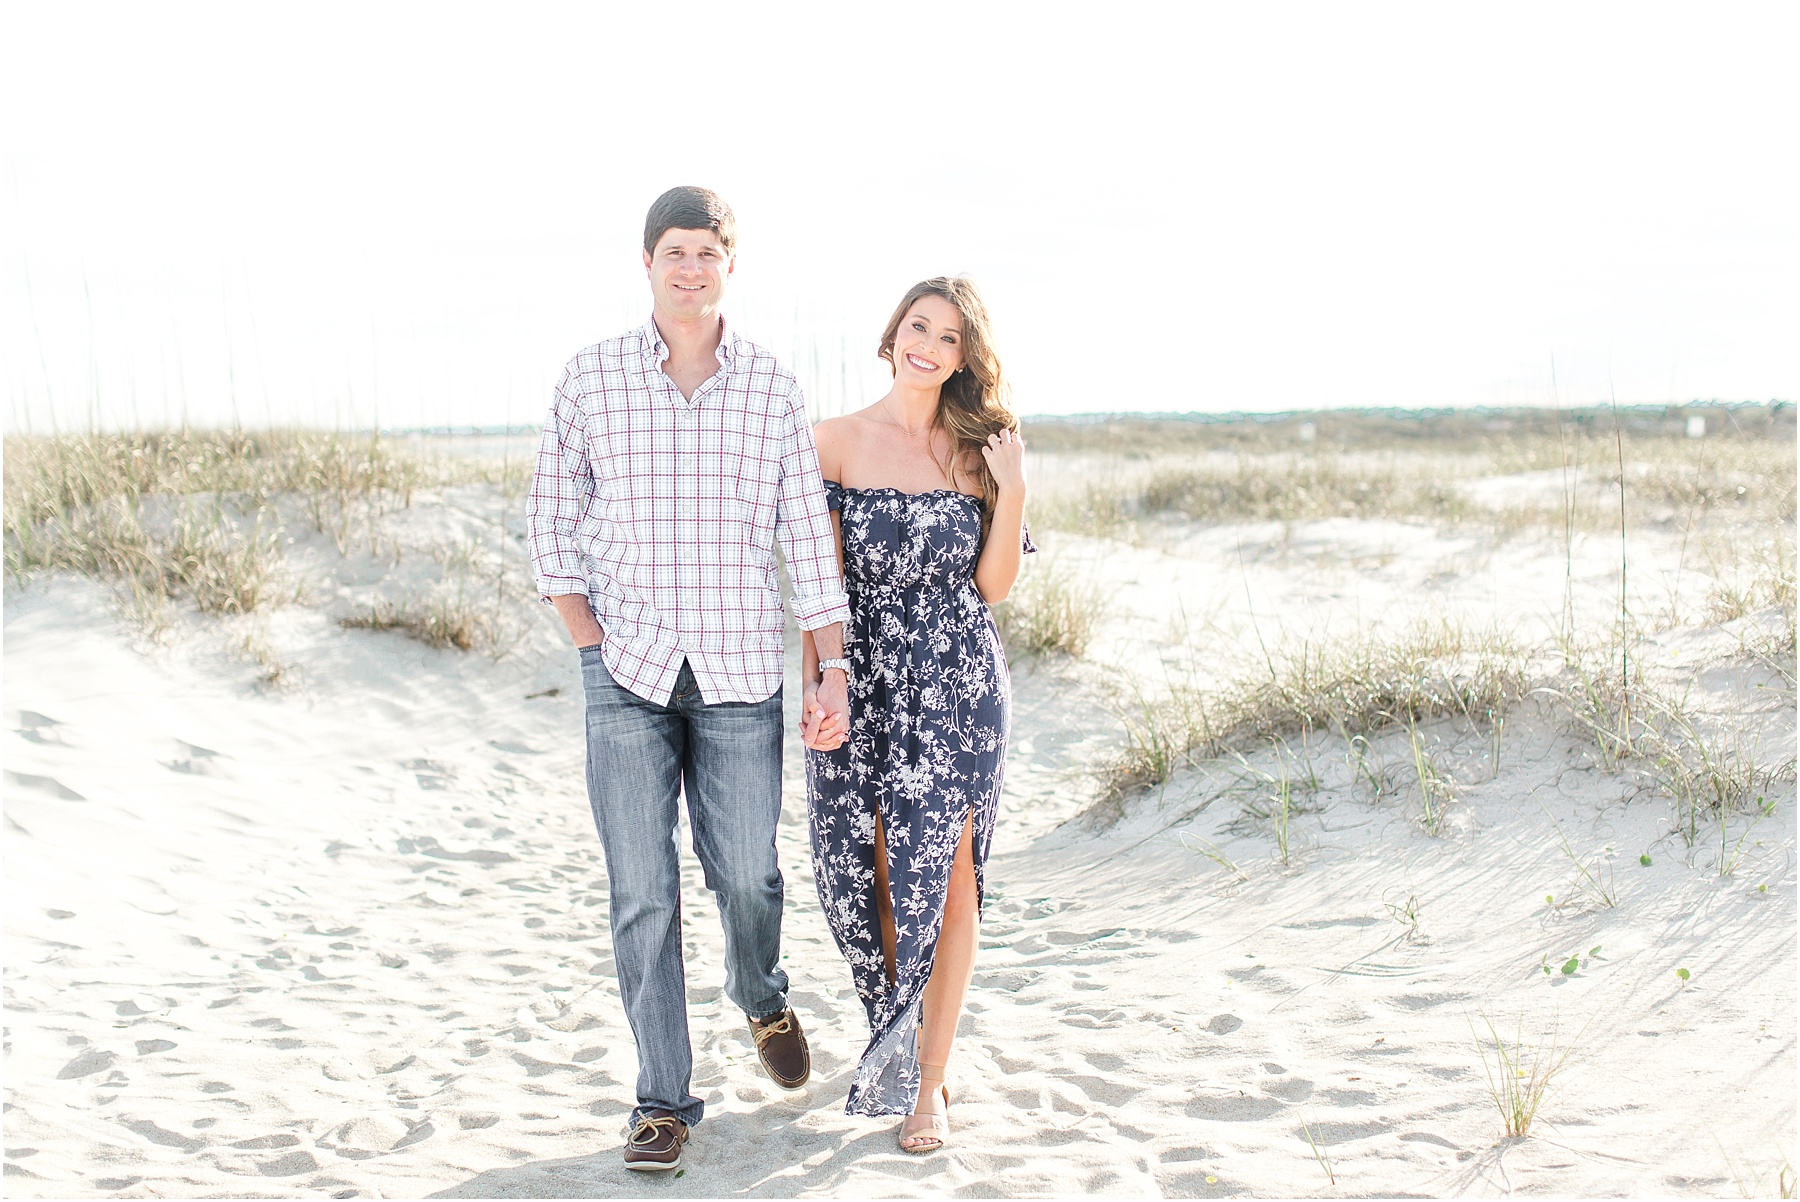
654,1143
781,1046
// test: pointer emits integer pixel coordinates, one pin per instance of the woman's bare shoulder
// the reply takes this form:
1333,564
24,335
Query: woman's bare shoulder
842,438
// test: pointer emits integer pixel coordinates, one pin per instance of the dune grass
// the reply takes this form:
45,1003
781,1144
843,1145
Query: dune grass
197,514
437,620
1520,1073
1349,687
1050,610
1421,467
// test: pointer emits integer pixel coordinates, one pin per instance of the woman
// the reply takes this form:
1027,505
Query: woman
927,488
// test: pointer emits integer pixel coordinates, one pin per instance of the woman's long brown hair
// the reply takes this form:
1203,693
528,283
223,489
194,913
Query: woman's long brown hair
972,404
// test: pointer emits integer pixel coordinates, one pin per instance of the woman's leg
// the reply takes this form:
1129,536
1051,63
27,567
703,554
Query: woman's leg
884,903
942,1005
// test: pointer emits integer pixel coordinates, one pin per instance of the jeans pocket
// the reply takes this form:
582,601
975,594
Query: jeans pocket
593,668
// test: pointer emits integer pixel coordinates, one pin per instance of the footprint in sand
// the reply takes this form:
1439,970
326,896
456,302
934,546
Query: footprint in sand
291,1165
43,784
193,760
1343,1133
267,1143
1241,1108
1224,1024
142,1004
92,1061
1289,1089
38,728
430,774
1425,1137
158,1135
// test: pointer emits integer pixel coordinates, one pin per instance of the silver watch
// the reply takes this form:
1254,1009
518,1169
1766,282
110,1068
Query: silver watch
842,665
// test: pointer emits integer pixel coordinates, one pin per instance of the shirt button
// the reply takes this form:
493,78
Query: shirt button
687,510
688,554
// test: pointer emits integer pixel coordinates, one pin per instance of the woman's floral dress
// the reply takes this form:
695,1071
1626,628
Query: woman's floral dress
929,707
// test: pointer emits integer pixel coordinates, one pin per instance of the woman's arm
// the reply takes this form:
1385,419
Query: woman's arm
999,563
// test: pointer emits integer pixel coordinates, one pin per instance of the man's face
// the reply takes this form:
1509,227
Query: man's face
688,270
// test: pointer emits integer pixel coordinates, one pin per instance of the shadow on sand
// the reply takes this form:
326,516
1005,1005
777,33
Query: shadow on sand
766,1153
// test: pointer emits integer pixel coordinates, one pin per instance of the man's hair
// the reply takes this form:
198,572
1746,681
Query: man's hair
690,208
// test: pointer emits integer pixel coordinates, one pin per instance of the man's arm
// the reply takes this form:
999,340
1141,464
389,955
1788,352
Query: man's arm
578,615
808,538
562,484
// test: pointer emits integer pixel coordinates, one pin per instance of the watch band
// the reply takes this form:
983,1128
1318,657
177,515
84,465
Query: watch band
842,665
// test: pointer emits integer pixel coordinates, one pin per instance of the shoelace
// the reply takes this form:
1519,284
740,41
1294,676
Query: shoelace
781,1026
644,1134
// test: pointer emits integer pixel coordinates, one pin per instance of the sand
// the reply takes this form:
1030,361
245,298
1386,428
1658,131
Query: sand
346,936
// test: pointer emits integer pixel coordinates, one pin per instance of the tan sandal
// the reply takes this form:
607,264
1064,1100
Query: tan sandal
920,1133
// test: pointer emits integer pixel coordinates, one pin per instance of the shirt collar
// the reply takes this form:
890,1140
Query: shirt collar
656,351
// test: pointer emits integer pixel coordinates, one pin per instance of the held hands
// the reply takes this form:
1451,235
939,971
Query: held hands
824,713
1005,455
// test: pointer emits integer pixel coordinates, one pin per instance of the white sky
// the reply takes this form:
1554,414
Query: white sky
336,214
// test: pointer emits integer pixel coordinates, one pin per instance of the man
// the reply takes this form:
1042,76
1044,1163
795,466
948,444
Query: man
672,459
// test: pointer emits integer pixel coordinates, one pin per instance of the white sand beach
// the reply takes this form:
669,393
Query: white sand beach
339,929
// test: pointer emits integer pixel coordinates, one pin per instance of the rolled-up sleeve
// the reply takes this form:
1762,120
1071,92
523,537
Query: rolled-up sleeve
562,484
803,526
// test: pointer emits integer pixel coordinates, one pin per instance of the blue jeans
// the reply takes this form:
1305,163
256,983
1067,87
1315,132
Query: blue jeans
641,757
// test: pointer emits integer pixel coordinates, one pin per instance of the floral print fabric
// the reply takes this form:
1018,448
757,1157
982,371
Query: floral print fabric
929,706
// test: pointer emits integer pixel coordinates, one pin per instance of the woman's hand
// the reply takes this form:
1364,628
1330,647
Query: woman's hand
820,729
1005,455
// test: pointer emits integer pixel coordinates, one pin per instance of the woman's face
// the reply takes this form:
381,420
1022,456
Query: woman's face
928,344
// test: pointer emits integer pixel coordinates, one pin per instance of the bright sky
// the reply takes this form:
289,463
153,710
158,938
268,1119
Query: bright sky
338,214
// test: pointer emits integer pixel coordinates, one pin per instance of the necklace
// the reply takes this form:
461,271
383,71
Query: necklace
894,421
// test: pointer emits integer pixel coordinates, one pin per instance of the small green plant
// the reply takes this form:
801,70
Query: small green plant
1405,913
1569,967
1437,788
1587,880
1711,776
1684,974
1272,792
1520,1074
1319,1154
1728,859
1211,851
1602,701
1644,859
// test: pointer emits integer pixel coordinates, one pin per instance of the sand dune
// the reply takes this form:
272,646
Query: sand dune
348,937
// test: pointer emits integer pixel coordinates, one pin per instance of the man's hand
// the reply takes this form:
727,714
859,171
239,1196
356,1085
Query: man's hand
825,712
578,615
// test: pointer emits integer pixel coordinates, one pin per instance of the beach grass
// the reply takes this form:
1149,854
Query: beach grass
199,514
1347,686
1050,610
1511,472
1520,1072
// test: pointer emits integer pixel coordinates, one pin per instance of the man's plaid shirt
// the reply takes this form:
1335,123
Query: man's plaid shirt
664,513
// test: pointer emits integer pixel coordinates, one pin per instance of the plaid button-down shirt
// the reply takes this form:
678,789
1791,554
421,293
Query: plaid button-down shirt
664,512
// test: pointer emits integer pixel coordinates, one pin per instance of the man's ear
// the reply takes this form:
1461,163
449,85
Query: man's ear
646,262
730,262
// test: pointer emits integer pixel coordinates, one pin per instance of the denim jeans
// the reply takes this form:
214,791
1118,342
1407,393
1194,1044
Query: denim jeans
726,758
